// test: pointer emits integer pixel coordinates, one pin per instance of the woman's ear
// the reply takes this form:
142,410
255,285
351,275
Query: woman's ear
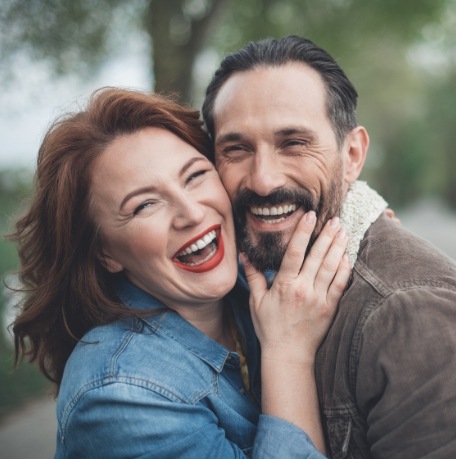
110,263
355,155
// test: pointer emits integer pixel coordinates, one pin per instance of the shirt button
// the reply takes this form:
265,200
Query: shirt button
242,391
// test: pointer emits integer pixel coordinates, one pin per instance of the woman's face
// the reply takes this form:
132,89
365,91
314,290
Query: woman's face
165,218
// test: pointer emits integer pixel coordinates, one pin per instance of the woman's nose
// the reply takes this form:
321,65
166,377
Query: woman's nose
189,212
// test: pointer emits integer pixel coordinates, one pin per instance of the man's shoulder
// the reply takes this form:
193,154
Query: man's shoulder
395,266
392,257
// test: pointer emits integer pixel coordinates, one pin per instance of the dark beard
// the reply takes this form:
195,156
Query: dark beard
268,252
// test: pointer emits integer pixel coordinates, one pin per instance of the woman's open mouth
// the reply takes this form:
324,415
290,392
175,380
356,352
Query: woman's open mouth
202,253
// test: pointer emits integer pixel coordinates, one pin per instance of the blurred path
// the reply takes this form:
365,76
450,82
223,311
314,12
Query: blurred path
30,433
431,220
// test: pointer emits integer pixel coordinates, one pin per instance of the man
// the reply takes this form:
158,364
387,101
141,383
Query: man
282,115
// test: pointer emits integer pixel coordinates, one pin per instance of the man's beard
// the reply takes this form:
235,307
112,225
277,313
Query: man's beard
268,249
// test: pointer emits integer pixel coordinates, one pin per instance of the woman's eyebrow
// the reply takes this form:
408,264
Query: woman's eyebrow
190,163
151,188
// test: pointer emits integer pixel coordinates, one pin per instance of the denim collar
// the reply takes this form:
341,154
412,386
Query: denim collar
172,325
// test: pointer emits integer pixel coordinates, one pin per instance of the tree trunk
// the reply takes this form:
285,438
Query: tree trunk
176,41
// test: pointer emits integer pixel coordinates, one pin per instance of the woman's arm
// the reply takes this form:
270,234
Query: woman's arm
292,318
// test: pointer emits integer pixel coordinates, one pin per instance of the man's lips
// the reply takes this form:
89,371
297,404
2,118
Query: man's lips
273,214
202,253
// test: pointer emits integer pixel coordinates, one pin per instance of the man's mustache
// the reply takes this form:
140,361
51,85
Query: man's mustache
300,197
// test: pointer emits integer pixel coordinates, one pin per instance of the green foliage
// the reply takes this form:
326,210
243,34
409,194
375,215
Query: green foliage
73,36
26,382
334,24
440,124
18,386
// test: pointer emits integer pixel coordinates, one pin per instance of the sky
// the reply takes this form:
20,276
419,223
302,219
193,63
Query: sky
30,103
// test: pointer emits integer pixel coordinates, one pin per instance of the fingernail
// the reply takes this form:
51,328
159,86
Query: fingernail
310,217
334,222
342,234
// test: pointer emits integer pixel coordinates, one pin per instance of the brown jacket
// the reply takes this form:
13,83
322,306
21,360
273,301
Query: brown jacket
386,373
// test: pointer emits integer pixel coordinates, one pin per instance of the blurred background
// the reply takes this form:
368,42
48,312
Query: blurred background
401,56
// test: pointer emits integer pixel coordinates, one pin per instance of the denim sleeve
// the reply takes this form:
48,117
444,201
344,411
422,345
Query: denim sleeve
406,384
127,421
277,438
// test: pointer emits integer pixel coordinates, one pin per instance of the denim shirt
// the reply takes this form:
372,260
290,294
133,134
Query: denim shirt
159,388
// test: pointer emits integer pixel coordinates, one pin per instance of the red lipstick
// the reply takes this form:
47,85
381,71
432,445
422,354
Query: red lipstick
213,261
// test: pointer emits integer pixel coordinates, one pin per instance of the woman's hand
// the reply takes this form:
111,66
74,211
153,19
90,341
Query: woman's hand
293,316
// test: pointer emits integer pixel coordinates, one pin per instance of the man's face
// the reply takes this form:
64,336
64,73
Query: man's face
277,156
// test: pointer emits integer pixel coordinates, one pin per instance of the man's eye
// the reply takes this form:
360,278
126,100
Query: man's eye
233,148
234,152
295,143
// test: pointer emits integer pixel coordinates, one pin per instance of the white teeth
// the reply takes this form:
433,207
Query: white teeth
199,244
280,210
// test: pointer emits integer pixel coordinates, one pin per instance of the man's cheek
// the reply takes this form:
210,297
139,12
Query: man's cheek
230,186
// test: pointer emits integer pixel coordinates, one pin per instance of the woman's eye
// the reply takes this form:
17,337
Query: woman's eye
141,207
195,175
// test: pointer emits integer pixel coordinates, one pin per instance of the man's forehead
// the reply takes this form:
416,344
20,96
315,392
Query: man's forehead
263,88
287,73
273,99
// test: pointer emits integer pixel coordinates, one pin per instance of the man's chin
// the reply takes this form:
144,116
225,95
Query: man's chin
265,252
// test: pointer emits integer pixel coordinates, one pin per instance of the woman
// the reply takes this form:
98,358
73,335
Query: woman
128,264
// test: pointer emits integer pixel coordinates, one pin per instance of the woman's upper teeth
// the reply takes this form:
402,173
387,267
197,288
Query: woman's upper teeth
273,210
199,244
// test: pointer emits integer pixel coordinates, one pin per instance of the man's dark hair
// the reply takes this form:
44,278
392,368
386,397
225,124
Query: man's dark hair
341,94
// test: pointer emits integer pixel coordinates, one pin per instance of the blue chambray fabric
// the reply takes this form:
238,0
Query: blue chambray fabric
159,388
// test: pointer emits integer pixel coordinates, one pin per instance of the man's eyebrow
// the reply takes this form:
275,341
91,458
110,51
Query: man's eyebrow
282,132
229,137
293,130
151,188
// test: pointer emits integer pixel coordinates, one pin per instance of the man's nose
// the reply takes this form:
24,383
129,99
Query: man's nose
266,174
189,212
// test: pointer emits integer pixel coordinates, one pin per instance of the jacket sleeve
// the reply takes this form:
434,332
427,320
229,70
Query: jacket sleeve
406,382
127,421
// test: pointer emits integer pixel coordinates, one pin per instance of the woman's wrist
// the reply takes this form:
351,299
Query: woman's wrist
288,355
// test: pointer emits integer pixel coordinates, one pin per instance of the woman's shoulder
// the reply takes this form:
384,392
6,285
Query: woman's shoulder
135,352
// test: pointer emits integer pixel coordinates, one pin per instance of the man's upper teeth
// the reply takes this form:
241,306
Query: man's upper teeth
273,210
199,244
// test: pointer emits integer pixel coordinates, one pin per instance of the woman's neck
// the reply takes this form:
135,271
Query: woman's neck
212,320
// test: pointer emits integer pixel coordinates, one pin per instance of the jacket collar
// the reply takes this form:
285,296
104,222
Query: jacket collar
171,324
361,207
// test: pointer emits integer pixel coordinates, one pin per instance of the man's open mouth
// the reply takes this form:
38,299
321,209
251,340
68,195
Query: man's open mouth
202,253
273,214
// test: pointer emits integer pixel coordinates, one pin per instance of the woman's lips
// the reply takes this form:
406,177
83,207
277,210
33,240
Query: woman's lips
203,253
